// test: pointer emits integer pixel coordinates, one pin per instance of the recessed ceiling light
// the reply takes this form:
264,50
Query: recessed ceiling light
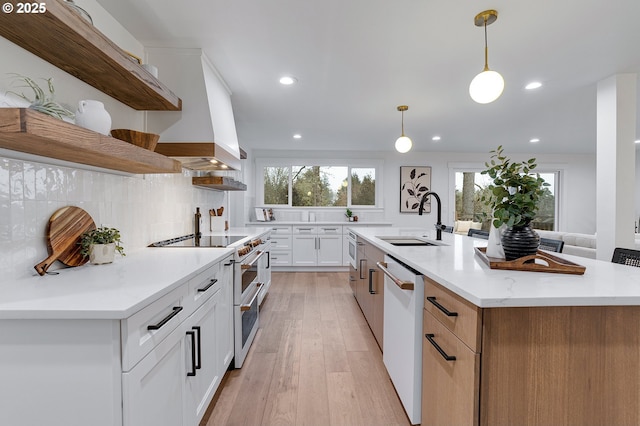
533,85
534,140
288,80
435,138
297,136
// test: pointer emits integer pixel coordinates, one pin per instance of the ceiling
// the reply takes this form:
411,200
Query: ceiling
357,60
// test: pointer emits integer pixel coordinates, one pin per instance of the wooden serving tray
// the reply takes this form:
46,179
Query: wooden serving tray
540,262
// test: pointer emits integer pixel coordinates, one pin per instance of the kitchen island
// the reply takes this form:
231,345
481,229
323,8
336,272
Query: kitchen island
528,348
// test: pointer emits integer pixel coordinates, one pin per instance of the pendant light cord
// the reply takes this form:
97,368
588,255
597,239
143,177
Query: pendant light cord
402,121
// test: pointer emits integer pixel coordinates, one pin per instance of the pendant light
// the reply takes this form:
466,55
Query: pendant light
403,143
487,86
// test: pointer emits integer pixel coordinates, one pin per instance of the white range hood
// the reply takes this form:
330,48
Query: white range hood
203,135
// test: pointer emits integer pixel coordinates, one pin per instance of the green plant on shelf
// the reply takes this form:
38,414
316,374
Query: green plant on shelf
41,101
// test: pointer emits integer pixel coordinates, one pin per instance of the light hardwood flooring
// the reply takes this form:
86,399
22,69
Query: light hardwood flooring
314,362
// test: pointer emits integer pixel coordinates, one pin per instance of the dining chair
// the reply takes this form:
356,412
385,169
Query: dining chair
478,233
626,257
551,245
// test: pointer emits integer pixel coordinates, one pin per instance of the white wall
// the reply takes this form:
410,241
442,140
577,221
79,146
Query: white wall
146,208
576,189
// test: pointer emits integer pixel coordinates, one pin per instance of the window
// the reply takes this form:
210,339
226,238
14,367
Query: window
470,185
318,185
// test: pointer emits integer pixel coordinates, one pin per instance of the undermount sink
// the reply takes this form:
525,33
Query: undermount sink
406,241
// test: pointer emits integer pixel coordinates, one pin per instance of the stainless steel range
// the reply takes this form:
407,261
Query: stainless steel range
250,260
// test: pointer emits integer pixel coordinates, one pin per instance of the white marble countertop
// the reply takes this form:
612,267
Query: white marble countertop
113,291
456,266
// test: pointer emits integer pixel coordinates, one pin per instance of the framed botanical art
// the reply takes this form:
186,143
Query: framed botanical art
415,181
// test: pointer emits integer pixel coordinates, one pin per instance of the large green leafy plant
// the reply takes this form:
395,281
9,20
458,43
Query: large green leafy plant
42,101
102,235
515,192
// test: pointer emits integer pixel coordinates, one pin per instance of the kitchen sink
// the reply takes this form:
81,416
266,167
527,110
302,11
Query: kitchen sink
406,241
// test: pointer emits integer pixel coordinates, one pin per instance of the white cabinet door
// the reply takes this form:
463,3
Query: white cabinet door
330,250
153,391
305,246
203,372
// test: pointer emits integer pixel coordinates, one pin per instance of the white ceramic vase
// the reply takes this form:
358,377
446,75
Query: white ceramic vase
102,253
92,115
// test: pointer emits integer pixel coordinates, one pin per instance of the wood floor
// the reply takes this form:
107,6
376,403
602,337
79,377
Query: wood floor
314,362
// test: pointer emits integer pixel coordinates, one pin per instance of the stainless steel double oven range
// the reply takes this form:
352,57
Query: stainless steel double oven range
251,281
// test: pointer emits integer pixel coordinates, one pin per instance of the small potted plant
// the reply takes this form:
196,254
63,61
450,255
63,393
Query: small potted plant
349,215
100,245
514,197
42,101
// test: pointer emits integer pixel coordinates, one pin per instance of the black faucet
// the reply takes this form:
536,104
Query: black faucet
439,225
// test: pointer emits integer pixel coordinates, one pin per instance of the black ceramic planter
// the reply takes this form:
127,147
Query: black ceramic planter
519,241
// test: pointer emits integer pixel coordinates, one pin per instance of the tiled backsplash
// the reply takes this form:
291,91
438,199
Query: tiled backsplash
145,208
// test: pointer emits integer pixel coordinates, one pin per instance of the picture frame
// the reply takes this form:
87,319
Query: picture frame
415,181
261,215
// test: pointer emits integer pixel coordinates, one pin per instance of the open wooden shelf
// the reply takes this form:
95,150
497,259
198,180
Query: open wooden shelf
60,36
218,183
25,130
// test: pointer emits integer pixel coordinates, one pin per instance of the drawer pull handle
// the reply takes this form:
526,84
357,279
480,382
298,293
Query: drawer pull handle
193,353
371,271
444,310
438,348
208,286
361,268
199,345
176,311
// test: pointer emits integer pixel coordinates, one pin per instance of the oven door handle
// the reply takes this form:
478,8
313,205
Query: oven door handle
247,307
253,262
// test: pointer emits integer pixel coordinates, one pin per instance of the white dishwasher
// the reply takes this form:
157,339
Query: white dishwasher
402,347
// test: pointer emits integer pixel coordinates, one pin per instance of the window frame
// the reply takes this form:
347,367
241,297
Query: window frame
261,163
557,170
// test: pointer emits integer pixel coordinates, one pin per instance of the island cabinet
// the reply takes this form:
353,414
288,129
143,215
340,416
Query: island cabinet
544,365
369,288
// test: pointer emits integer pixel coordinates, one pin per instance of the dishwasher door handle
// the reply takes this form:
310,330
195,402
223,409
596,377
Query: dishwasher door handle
404,285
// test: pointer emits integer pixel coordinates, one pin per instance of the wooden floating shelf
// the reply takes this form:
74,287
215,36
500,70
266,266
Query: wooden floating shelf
84,52
25,130
218,183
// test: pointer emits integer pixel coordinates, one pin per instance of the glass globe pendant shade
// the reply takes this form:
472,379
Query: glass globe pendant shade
486,87
403,144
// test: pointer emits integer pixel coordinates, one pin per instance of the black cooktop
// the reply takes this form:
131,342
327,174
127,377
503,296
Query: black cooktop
204,241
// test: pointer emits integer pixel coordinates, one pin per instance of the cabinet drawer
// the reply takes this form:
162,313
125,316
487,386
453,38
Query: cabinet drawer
280,242
458,315
450,388
203,286
305,230
165,313
280,258
280,230
330,230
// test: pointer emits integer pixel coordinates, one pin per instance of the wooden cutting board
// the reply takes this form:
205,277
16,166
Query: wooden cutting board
65,227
